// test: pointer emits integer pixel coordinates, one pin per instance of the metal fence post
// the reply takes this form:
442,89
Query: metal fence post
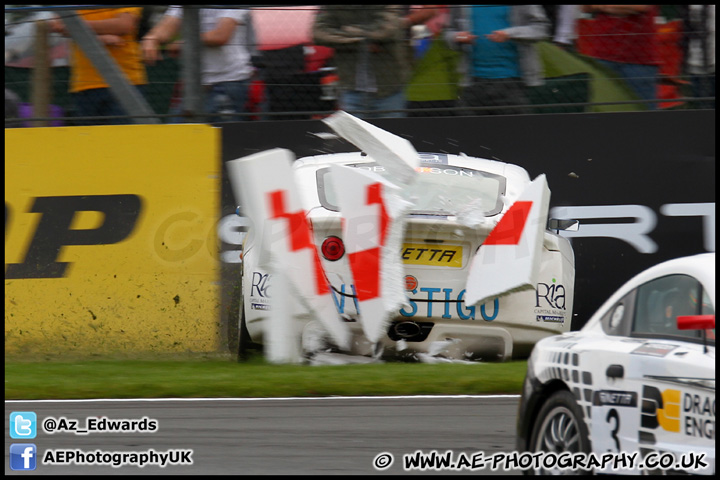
192,80
41,76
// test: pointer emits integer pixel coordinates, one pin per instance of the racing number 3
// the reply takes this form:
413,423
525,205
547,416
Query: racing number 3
613,414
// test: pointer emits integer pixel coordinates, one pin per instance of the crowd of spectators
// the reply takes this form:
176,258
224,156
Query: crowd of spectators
482,59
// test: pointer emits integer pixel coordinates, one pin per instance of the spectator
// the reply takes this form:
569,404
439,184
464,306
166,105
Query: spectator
226,55
117,30
563,22
699,51
371,56
417,15
500,60
624,41
432,89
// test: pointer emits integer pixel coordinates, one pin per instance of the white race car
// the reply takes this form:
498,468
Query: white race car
637,379
459,200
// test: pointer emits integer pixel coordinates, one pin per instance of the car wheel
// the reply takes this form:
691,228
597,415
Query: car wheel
560,427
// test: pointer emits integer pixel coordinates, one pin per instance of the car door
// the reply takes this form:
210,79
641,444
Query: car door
616,399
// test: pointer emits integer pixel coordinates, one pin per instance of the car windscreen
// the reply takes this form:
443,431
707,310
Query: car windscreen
438,190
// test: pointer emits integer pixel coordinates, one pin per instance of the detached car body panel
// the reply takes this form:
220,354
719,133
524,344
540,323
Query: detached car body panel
638,383
459,200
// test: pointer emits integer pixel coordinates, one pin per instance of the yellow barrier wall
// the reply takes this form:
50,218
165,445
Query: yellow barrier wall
110,241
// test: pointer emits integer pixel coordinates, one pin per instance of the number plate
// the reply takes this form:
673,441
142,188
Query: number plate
435,255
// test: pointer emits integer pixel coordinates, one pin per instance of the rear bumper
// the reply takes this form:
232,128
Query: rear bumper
457,341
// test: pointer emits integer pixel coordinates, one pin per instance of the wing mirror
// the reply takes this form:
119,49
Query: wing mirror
558,224
697,322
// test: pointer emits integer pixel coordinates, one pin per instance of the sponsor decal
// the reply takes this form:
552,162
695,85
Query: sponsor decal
675,411
454,171
439,158
443,302
615,398
698,415
260,291
654,349
340,298
550,302
441,256
452,306
451,170
260,285
411,283
55,230
550,295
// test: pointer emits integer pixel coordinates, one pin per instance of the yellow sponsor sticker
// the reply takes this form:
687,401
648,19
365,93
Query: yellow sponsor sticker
669,416
434,255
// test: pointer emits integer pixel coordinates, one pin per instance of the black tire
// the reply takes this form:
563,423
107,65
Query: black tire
244,342
246,347
560,427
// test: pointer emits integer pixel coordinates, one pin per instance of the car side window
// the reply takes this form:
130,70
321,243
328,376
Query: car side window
661,301
707,307
618,320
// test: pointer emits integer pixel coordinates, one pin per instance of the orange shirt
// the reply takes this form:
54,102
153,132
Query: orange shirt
128,56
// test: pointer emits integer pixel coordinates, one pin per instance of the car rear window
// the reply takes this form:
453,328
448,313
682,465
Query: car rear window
439,190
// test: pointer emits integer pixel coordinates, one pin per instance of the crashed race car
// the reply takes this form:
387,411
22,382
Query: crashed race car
391,253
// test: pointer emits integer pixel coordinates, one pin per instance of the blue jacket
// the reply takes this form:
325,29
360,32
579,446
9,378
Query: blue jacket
529,25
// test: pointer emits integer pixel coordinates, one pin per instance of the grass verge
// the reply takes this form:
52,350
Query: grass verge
221,376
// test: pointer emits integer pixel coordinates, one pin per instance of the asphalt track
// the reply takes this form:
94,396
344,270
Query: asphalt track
317,436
